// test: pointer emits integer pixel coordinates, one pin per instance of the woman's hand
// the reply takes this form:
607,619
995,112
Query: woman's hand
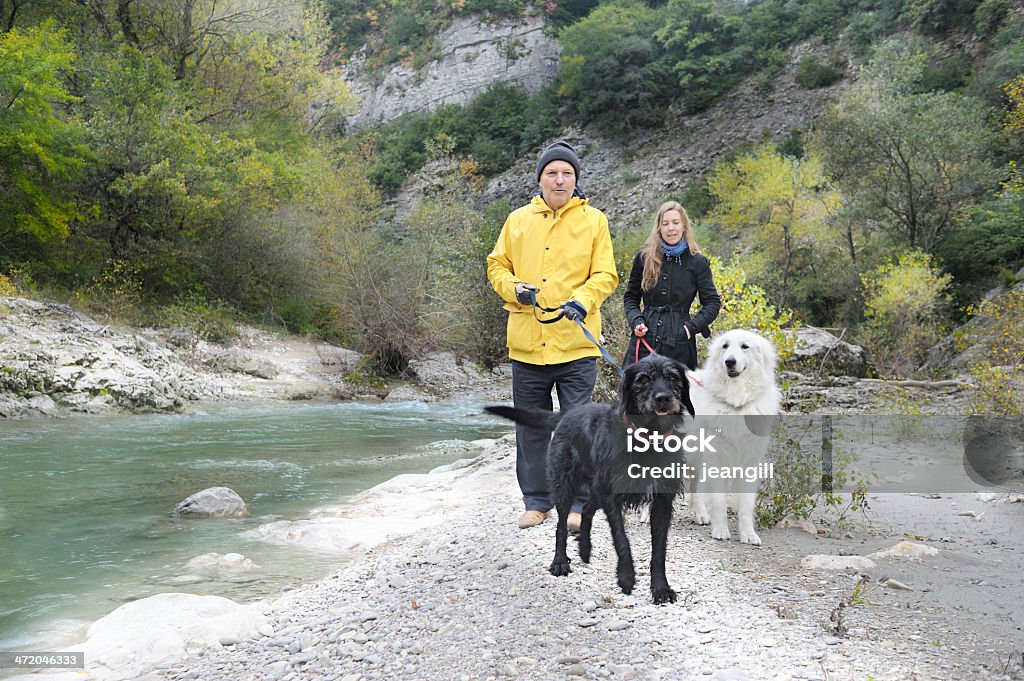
640,330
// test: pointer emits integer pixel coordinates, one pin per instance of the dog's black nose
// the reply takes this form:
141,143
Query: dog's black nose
663,399
731,362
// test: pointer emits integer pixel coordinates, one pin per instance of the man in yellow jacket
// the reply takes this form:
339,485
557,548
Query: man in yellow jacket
558,248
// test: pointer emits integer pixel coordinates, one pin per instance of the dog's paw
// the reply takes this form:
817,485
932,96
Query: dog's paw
702,517
560,567
627,580
720,533
663,595
584,547
750,538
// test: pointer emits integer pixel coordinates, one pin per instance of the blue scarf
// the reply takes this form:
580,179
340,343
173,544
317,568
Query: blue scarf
673,251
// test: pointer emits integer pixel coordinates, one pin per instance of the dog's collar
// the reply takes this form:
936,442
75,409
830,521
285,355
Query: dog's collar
694,379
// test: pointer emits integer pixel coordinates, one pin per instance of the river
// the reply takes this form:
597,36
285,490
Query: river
85,502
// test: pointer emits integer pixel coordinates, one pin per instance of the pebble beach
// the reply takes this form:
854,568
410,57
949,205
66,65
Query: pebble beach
467,595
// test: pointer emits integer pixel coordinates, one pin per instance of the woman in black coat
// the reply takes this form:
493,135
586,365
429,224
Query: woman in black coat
667,275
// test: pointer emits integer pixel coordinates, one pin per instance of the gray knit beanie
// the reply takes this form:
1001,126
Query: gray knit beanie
558,151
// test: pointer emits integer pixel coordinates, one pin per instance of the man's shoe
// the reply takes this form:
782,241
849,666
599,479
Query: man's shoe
573,522
531,519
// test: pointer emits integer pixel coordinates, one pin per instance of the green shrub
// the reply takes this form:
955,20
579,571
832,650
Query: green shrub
948,75
115,294
494,129
989,15
7,287
998,366
800,485
746,306
211,321
812,73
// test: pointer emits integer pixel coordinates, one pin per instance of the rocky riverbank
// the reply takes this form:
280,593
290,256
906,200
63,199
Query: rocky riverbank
56,362
448,588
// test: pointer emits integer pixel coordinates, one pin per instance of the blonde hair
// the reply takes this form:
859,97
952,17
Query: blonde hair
653,257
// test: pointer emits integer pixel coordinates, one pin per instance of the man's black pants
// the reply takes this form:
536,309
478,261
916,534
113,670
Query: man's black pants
531,389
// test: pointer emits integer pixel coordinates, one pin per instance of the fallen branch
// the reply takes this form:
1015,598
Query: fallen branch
927,385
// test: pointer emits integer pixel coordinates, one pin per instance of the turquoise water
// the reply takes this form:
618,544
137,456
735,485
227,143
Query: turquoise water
85,502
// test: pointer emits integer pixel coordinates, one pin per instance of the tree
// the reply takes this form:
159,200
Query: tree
908,161
252,81
904,304
698,42
781,206
39,147
610,73
166,184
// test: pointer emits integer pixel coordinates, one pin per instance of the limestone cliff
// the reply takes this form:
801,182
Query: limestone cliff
474,54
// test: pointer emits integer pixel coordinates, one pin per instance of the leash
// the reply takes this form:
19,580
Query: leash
604,352
537,306
639,340
647,345
561,313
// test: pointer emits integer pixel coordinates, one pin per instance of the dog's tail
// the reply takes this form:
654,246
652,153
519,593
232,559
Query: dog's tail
540,419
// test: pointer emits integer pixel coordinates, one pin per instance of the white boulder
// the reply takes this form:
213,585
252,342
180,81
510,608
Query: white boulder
213,502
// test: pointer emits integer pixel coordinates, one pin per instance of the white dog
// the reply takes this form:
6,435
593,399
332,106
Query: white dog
737,379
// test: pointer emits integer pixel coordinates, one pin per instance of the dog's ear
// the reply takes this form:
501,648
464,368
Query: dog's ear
684,386
686,396
766,349
626,387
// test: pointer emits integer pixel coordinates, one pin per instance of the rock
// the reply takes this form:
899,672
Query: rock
214,502
408,393
223,564
444,373
844,563
473,54
618,625
905,549
894,584
44,405
625,671
818,350
243,361
454,466
160,630
804,524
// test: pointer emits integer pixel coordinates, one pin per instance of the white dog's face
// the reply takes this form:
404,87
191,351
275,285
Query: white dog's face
738,351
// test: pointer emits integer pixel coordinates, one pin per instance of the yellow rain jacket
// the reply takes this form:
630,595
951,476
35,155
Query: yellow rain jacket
567,254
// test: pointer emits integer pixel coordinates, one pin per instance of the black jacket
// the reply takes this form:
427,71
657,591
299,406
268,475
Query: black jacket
666,307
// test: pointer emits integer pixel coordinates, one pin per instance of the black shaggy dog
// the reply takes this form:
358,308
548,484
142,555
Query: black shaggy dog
589,451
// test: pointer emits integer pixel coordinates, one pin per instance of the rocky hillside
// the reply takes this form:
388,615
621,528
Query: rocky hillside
629,177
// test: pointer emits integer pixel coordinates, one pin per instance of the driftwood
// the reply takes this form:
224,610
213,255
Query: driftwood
927,385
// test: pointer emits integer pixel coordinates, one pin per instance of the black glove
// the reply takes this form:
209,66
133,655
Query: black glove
574,310
523,292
